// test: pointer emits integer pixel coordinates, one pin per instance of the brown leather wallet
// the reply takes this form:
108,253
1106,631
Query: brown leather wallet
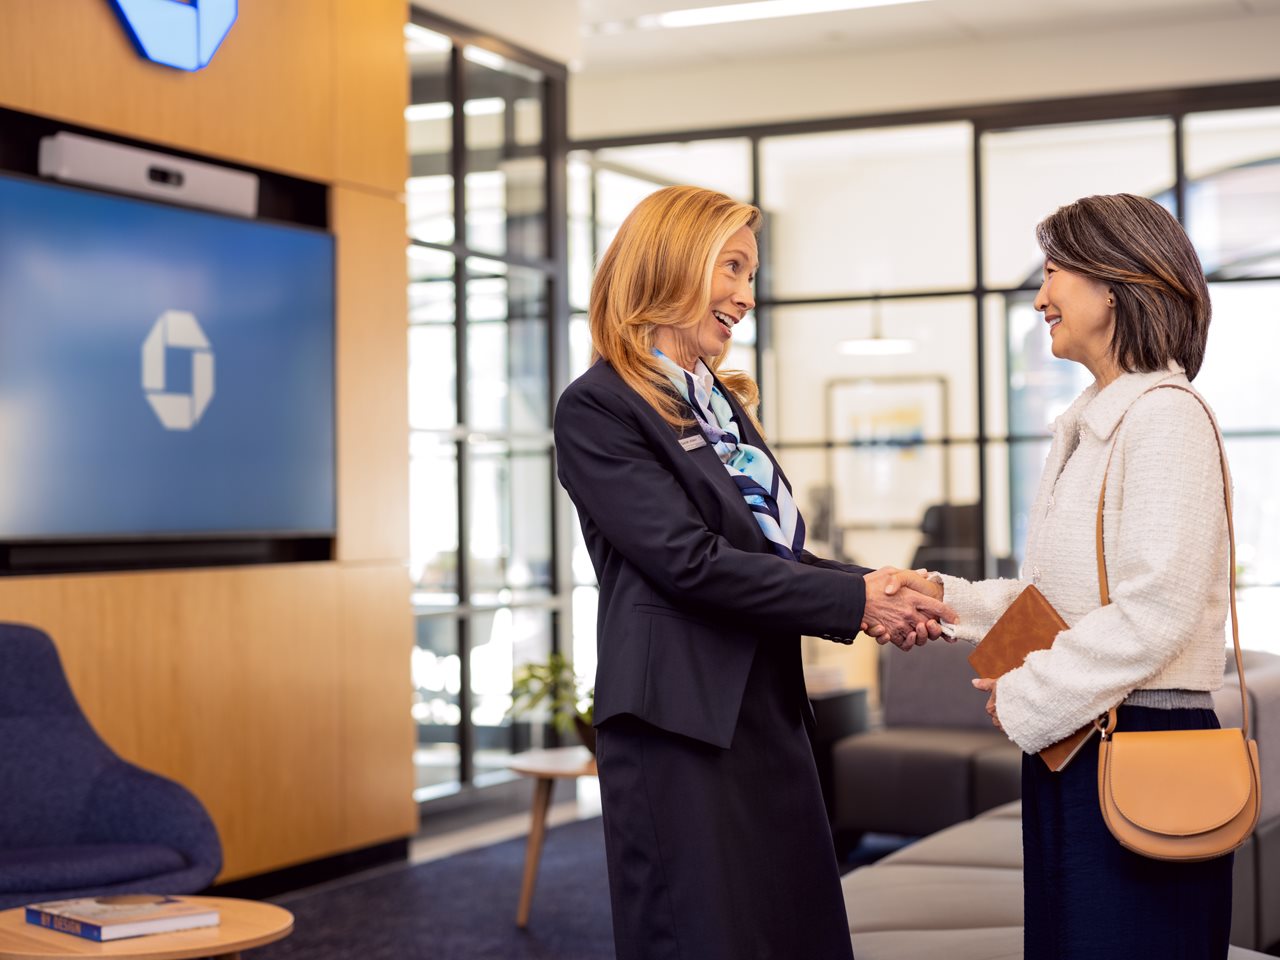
1028,625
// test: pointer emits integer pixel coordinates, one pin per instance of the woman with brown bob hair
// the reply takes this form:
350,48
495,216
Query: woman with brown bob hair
1123,294
716,833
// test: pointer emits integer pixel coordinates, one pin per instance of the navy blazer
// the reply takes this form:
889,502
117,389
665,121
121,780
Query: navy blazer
689,585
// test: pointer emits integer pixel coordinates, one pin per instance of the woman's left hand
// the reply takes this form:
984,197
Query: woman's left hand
989,685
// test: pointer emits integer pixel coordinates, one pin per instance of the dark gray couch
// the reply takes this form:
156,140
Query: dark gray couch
936,741
958,892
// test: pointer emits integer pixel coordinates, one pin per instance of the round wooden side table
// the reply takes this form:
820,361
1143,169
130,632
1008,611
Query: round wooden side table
545,767
244,924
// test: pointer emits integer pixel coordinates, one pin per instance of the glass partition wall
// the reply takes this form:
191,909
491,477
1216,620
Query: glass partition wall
488,352
907,381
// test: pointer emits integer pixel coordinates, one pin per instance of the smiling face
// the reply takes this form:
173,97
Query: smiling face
731,298
1080,312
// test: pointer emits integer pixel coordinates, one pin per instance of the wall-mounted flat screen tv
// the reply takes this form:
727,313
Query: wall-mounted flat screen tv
164,372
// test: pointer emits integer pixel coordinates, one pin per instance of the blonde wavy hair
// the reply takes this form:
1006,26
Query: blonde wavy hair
657,272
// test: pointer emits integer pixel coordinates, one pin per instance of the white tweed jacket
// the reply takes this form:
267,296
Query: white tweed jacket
1165,537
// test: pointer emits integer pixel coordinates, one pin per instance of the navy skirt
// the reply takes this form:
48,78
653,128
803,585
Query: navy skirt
1087,897
722,854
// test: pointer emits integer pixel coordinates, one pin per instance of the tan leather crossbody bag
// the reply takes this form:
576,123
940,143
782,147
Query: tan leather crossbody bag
1180,794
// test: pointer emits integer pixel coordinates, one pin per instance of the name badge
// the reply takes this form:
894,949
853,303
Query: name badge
694,442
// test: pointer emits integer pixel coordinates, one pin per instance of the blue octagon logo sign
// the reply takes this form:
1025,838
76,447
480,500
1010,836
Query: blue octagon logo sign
177,33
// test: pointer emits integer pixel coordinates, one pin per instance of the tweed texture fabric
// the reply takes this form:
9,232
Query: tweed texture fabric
1165,538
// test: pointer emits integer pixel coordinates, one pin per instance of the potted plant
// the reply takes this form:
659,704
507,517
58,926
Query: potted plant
554,686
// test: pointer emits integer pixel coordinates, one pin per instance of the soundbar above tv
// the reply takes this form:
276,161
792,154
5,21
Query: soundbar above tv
166,374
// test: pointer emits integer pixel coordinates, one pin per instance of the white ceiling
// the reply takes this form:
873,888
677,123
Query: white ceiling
1054,25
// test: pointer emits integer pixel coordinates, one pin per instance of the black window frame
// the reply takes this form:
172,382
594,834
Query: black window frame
1172,103
554,269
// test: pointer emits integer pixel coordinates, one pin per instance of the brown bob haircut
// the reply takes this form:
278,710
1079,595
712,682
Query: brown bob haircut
1143,255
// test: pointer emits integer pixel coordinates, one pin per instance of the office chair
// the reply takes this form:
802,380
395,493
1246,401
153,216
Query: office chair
950,542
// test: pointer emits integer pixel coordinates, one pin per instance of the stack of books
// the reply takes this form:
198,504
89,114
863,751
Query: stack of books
123,915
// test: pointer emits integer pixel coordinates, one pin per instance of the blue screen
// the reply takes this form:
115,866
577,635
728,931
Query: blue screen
163,372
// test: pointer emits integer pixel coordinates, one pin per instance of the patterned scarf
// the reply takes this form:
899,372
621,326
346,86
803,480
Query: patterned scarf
752,470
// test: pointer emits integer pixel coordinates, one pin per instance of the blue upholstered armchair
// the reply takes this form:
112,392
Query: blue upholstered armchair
75,819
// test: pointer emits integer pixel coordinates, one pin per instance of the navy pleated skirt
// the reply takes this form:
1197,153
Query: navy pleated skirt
1087,897
718,854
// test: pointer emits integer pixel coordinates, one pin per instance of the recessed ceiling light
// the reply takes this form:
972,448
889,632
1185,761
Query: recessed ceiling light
758,10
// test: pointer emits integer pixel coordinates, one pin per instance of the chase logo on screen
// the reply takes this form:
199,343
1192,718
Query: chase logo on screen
177,33
179,329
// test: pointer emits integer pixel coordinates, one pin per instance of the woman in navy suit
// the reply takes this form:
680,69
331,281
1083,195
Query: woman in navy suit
715,831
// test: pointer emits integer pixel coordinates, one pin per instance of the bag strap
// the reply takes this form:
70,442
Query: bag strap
1105,594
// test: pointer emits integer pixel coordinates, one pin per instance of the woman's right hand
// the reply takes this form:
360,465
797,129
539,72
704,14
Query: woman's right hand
903,607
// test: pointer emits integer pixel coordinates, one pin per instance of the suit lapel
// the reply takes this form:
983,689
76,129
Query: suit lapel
712,467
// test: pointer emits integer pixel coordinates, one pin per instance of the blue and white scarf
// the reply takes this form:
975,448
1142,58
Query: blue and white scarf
752,470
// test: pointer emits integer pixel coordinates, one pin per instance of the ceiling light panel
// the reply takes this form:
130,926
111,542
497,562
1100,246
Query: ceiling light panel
758,10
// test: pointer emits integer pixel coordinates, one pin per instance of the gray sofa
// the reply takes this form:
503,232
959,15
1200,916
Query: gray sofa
935,741
958,892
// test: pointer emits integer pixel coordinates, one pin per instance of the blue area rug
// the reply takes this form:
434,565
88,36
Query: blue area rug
463,908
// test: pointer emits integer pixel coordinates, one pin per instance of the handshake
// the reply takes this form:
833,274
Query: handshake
904,608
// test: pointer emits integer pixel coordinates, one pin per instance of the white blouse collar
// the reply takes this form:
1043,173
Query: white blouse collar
704,376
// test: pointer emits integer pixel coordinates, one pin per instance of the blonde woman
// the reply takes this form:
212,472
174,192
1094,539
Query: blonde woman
716,836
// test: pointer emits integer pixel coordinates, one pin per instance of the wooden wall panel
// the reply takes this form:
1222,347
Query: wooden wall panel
280,695
378,732
283,671
225,680
264,100
373,398
371,89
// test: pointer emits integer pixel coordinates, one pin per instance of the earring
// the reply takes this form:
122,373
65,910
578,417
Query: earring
1110,302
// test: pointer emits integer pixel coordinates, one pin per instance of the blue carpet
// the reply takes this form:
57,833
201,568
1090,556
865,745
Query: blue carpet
463,908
